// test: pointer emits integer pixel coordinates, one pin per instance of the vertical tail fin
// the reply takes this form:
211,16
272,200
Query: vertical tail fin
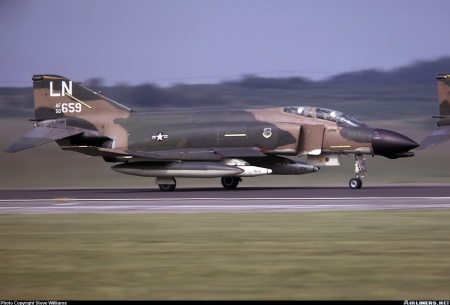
58,97
441,134
65,109
443,83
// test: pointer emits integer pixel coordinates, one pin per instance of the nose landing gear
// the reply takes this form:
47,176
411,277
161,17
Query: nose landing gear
360,171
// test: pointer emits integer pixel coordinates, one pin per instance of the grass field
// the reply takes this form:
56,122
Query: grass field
319,255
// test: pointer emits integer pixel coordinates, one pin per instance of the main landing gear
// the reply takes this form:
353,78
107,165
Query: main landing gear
360,171
166,184
167,187
169,184
230,183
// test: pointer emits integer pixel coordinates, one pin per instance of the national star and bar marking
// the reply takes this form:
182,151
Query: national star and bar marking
160,136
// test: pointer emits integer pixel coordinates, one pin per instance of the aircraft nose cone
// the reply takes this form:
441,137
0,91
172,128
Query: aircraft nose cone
389,143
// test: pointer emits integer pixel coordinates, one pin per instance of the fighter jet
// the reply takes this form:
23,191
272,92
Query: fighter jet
227,144
442,133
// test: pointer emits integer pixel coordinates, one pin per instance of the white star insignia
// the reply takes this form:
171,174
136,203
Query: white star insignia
159,136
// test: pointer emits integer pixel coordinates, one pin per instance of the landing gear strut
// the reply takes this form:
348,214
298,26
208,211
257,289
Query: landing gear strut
230,183
360,171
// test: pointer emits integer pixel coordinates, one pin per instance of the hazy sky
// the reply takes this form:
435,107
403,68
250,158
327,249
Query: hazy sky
204,41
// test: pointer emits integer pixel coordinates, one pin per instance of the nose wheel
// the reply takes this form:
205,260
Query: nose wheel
355,183
360,171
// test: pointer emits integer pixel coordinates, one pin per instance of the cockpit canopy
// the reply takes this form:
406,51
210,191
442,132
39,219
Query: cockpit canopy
325,114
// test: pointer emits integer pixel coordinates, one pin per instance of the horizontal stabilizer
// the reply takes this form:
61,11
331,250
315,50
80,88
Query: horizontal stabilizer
39,136
440,135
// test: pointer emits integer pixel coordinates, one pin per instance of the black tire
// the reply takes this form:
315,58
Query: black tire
230,183
355,183
167,187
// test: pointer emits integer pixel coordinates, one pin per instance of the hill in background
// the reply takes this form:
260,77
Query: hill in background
375,94
420,72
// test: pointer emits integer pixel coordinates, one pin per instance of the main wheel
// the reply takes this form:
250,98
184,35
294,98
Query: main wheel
230,183
355,183
167,187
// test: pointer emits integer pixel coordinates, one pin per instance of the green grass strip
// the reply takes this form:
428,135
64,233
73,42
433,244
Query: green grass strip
234,256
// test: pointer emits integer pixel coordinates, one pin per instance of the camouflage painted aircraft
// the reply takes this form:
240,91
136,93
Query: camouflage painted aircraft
442,133
229,144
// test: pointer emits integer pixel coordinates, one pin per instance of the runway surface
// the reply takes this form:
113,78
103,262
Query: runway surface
261,199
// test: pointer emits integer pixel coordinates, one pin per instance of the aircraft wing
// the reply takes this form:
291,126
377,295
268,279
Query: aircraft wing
440,135
201,154
193,154
41,135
